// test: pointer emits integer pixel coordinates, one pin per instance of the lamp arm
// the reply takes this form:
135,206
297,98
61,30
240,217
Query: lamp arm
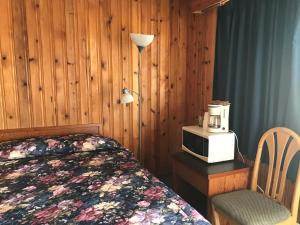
134,92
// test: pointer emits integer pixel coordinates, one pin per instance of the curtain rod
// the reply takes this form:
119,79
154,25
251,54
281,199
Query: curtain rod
217,4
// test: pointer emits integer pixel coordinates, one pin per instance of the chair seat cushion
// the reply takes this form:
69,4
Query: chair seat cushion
251,208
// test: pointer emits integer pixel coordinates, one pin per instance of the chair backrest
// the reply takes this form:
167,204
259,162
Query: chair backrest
288,144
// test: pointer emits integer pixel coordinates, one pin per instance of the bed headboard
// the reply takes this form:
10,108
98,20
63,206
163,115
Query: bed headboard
11,134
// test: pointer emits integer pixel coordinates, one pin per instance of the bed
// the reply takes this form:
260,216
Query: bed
73,175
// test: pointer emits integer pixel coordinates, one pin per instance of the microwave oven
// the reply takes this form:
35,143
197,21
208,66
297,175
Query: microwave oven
210,147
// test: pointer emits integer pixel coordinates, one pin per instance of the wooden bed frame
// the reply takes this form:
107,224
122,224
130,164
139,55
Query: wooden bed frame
11,134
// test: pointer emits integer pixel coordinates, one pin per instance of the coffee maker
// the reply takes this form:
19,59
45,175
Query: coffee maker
218,116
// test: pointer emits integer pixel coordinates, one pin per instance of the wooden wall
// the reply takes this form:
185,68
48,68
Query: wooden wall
66,61
200,63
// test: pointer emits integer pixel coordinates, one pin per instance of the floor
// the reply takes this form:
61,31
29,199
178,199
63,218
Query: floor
167,180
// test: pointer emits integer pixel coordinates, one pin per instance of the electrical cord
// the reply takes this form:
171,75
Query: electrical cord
237,145
238,149
262,191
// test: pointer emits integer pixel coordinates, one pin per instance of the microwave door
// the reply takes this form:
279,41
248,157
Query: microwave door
195,143
205,147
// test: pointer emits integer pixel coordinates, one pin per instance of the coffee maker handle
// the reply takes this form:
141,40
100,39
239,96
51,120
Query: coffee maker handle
205,121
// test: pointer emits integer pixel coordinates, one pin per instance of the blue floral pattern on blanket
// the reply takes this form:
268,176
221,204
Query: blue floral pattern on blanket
98,186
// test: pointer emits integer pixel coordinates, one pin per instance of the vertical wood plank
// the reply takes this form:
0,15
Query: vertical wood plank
60,62
34,61
181,79
145,74
73,92
2,93
82,56
154,82
189,71
2,106
9,92
47,52
116,70
94,67
174,74
200,65
164,73
20,57
135,28
126,80
105,17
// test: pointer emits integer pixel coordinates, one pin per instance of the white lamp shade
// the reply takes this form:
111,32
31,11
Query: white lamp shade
126,96
141,40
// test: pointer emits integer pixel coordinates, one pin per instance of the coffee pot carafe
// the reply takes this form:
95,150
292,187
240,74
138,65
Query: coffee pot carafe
218,116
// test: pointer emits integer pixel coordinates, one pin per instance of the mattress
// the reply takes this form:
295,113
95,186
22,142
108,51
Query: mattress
83,179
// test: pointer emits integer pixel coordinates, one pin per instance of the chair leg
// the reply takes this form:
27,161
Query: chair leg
216,217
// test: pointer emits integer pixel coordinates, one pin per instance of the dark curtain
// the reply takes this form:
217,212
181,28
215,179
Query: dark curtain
258,67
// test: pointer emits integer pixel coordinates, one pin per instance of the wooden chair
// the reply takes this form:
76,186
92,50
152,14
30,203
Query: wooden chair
248,207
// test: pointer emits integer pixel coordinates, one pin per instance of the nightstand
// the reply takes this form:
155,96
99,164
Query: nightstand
209,179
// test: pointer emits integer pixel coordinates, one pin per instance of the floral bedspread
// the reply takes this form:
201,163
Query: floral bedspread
86,180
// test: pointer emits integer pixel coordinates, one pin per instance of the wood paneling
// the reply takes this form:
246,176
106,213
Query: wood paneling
65,62
200,63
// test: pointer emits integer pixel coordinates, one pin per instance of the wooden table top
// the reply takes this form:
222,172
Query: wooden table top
209,169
